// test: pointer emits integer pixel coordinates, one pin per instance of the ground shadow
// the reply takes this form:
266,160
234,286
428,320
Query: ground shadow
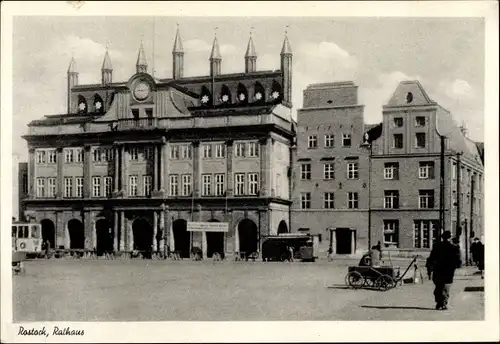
344,287
400,307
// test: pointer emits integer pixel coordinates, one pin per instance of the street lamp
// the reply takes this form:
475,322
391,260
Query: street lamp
368,145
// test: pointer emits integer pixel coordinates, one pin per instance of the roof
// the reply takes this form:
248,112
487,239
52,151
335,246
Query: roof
178,43
215,54
106,64
250,49
141,57
72,66
287,48
410,93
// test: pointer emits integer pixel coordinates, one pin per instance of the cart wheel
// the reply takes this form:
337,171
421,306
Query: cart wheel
385,282
355,280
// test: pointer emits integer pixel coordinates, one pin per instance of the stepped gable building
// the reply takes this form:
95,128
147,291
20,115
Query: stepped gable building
406,170
131,162
330,170
357,184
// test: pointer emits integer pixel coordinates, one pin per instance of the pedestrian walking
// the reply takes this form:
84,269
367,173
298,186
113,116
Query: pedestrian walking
474,250
442,262
480,257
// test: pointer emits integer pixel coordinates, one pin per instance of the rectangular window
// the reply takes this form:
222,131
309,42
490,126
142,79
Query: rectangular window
328,198
51,182
398,141
220,187
174,152
96,154
220,150
253,149
108,186
68,187
305,200
240,183
352,200
329,171
391,233
398,122
207,185
135,114
134,153
186,185
69,155
391,199
96,186
174,185
239,150
40,157
253,183
79,187
312,142
426,170
352,170
106,154
78,155
148,153
305,171
420,121
346,140
132,186
329,141
454,171
187,152
426,199
25,183
420,140
207,151
147,184
51,156
391,170
425,233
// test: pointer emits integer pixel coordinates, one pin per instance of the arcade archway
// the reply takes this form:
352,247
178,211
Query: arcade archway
182,238
282,227
215,242
48,232
143,235
76,234
248,236
104,236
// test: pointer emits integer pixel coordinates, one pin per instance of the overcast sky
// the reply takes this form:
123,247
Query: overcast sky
446,55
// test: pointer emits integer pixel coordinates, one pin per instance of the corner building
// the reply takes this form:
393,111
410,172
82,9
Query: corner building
406,170
132,162
330,170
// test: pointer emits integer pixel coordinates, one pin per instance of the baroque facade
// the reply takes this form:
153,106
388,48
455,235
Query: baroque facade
132,162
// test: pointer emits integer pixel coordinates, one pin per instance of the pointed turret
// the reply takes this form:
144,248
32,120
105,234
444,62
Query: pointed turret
178,57
141,65
286,70
106,69
250,57
215,59
72,76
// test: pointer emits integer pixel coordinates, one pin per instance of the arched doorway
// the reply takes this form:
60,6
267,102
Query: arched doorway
282,227
76,234
104,236
143,236
215,242
182,238
248,236
48,232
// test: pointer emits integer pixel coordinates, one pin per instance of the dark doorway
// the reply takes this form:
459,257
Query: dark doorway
76,234
143,236
104,236
48,232
215,242
343,237
249,241
282,227
182,238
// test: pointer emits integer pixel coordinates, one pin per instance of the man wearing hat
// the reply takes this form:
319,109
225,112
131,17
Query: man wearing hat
443,261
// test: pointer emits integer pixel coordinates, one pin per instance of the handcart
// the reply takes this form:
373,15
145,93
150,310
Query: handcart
378,277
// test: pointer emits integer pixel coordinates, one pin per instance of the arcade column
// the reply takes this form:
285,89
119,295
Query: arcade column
123,230
155,230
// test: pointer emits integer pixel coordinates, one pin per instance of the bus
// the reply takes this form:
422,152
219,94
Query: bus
26,237
277,247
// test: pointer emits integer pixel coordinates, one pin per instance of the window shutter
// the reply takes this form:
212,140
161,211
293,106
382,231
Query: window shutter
396,171
431,171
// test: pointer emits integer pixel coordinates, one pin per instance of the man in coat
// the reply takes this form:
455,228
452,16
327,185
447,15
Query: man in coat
443,261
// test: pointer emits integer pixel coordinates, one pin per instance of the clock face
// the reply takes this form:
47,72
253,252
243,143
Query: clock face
141,91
